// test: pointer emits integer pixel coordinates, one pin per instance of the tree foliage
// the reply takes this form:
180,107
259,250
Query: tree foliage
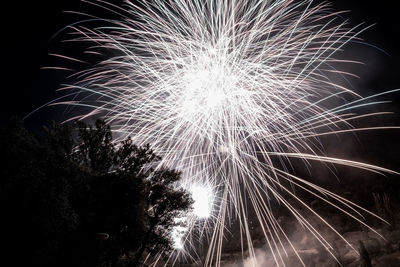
84,202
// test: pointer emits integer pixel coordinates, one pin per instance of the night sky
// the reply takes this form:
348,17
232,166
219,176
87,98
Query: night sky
29,34
28,28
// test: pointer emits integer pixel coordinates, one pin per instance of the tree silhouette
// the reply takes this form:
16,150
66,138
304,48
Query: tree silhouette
85,202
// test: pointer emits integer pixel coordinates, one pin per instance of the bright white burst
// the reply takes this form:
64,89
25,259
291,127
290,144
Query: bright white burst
229,92
203,200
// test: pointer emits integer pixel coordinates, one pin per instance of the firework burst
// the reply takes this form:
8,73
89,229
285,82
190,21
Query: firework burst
230,92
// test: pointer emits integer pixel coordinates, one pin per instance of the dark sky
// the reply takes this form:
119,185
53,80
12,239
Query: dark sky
28,26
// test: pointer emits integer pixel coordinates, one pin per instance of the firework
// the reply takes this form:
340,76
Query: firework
230,92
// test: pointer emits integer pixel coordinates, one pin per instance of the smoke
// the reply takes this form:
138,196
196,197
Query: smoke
310,250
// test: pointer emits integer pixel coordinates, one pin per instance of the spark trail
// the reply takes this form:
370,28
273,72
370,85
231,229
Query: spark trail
230,92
